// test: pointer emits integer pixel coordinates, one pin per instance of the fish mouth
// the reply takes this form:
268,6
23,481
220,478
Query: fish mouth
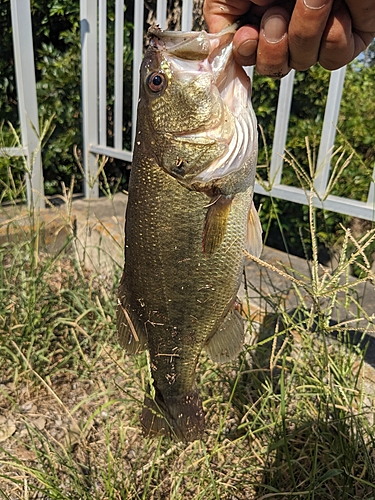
198,52
189,45
193,53
214,50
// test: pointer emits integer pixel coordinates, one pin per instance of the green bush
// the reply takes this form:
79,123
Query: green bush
58,74
286,224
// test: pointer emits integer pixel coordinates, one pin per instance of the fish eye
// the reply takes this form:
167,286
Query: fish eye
156,81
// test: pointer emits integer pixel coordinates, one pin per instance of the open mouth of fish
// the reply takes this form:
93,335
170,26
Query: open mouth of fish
195,53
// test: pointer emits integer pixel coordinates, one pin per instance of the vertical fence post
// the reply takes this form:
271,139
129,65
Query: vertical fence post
327,139
371,192
89,54
27,102
137,59
281,127
187,15
119,74
161,14
102,49
249,70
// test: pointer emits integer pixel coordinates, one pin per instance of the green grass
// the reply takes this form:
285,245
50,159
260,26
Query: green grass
291,418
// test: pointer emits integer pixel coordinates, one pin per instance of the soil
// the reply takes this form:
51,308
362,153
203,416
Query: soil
66,414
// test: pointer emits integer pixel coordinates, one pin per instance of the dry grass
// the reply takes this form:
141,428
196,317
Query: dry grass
292,417
289,419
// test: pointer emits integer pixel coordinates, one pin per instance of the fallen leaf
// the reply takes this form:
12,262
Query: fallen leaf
24,454
7,428
39,422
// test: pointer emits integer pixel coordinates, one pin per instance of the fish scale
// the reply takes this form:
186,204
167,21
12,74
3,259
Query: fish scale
167,268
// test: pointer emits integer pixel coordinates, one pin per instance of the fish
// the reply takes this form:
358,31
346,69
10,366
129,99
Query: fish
190,217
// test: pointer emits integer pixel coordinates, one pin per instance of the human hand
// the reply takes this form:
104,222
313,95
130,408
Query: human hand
295,33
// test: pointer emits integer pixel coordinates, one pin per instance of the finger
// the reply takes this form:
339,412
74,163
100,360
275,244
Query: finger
245,43
363,15
363,22
221,13
272,53
340,44
306,28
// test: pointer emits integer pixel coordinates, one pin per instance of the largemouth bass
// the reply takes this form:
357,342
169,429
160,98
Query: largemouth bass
189,218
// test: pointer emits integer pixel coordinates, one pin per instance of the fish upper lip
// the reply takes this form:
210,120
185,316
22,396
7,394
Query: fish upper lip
200,45
191,45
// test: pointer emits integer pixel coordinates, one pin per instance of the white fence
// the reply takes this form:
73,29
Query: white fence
27,102
94,105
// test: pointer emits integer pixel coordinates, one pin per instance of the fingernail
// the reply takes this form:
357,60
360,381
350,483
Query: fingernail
247,48
314,4
274,29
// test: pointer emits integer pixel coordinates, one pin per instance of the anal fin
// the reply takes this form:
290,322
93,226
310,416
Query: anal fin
215,223
227,341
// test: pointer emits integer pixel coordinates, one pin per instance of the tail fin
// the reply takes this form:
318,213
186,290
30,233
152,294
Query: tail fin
181,417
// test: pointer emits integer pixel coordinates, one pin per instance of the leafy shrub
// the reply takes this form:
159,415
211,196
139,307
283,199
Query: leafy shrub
58,74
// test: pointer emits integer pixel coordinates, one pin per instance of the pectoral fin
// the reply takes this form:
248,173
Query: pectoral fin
215,223
254,243
131,335
227,342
